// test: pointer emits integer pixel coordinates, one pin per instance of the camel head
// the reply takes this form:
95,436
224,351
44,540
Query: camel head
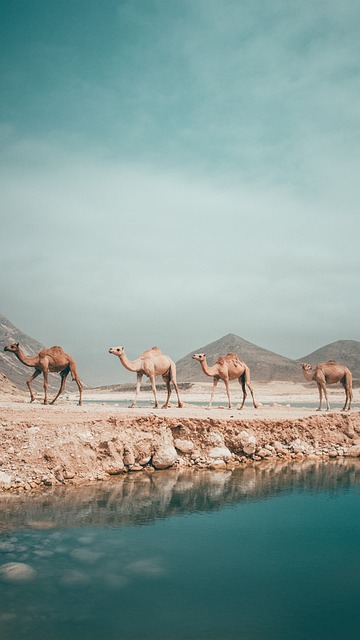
200,357
12,347
117,351
306,367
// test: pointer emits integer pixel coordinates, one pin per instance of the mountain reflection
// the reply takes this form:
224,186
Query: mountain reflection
135,499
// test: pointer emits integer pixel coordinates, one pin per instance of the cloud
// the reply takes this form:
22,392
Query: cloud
194,173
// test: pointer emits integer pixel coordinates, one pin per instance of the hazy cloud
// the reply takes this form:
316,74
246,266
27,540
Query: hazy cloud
178,172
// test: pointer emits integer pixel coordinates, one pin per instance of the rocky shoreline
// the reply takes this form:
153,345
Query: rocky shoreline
44,447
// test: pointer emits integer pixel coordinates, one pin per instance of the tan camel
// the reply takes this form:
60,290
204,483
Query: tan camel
150,363
227,368
329,373
52,360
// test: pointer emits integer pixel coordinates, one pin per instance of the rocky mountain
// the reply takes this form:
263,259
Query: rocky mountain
264,365
346,352
10,366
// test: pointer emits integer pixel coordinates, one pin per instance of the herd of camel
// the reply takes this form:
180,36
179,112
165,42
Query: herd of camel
153,363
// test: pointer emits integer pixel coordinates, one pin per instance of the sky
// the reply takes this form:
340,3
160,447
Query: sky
175,170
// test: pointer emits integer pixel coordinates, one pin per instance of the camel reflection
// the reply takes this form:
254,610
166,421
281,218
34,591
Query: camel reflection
135,499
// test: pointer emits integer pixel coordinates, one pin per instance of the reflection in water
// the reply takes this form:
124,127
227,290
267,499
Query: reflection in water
265,552
143,498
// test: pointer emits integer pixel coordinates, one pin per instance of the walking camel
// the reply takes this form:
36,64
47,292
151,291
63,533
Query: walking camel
329,373
52,360
227,368
150,363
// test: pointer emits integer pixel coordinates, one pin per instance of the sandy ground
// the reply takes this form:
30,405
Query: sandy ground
43,446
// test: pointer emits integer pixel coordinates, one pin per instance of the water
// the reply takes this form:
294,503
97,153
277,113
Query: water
334,405
269,552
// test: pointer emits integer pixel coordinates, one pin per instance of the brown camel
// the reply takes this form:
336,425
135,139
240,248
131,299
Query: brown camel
329,373
227,368
151,363
52,360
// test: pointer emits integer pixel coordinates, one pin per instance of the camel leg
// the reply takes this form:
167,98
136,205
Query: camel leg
64,375
215,383
326,398
226,381
320,397
173,380
76,379
348,397
34,375
242,382
153,386
46,384
252,395
166,378
138,383
80,390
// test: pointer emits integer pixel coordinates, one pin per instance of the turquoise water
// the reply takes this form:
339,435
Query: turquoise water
267,552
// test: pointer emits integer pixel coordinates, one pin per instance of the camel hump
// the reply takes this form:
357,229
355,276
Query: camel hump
50,351
230,357
151,353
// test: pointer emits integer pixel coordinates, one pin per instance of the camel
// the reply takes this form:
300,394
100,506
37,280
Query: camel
227,368
150,363
330,372
52,360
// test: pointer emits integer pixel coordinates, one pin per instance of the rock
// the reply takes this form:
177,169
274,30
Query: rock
221,453
264,453
299,446
68,474
5,479
17,572
184,446
129,457
354,452
349,431
248,442
114,469
279,447
164,457
217,464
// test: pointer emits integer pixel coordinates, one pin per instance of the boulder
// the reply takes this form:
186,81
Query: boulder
217,464
184,446
354,452
221,453
164,457
248,442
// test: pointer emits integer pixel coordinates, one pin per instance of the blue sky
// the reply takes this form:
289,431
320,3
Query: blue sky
172,171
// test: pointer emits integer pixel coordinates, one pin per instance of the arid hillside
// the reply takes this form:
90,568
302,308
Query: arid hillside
346,352
265,365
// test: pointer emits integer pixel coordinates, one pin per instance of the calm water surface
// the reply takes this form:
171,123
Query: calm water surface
264,553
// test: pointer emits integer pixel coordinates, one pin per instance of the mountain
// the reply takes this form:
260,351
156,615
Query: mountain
346,352
10,366
264,365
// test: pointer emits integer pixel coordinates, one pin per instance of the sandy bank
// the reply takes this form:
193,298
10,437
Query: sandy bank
45,446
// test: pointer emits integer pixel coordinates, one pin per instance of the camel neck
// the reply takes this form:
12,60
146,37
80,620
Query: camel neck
128,364
206,369
29,362
308,375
